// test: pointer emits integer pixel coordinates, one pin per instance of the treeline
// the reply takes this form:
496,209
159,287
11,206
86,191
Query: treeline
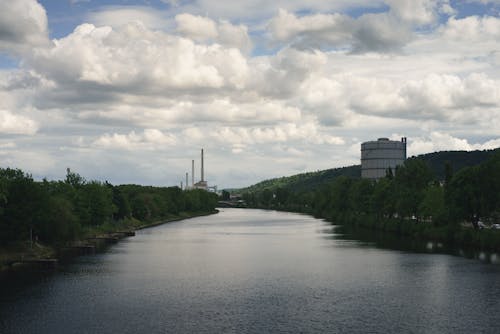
310,181
58,211
409,201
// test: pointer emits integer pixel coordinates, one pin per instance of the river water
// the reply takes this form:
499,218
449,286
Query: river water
253,271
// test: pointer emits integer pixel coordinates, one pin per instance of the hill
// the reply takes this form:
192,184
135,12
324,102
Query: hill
457,160
309,181
304,181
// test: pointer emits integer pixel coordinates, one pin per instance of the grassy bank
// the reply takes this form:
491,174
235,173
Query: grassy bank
453,234
26,250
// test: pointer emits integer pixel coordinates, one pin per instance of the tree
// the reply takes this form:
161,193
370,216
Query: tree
464,195
21,206
58,222
410,182
433,204
382,200
122,204
226,196
96,203
74,179
360,196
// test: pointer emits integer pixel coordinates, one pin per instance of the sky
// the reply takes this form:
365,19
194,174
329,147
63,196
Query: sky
129,91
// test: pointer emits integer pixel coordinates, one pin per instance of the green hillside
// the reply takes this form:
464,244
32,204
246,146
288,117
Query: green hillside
457,160
304,181
309,181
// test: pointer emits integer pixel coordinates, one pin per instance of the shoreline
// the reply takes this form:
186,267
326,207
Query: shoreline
166,221
41,256
453,236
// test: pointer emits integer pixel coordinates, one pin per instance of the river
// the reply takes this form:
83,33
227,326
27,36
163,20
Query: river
254,271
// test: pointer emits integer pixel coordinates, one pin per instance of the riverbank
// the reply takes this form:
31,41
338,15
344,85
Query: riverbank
460,236
26,254
454,235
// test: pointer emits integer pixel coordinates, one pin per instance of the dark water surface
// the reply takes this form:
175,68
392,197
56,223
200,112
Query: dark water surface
252,271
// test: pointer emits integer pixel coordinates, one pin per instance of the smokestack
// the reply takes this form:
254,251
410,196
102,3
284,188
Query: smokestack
202,171
192,173
187,184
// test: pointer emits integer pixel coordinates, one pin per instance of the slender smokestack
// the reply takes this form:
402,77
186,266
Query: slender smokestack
187,184
192,173
202,171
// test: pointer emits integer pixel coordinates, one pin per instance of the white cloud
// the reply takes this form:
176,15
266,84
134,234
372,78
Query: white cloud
253,10
370,32
317,82
204,29
138,58
472,28
150,139
32,161
196,27
419,12
119,16
439,141
285,133
436,97
7,145
16,124
23,25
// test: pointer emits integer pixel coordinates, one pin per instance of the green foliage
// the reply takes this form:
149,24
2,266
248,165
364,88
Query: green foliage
410,201
456,160
59,211
441,164
58,221
226,195
410,181
433,207
21,206
302,183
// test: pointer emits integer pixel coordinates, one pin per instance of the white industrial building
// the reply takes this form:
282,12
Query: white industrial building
380,155
202,184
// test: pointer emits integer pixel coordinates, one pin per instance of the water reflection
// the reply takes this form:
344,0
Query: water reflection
384,240
255,271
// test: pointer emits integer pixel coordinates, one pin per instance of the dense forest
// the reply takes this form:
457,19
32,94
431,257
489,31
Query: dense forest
55,212
312,180
412,200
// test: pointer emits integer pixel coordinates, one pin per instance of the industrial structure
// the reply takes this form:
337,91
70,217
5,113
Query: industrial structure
379,156
202,184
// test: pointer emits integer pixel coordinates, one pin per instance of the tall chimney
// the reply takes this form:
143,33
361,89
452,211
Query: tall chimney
187,184
202,171
192,173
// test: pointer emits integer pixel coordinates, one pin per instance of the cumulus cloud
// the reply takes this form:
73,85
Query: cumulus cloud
118,16
370,32
436,97
418,12
16,124
204,29
196,27
23,25
139,59
439,141
472,28
308,132
255,10
150,139
373,32
317,82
